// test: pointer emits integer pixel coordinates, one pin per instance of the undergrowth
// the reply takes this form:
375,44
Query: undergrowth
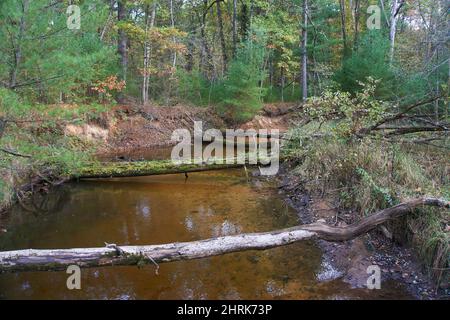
36,143
369,175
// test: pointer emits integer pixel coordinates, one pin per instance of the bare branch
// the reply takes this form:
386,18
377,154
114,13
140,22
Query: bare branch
14,153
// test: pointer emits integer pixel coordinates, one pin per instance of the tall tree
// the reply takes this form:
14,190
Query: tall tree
343,25
234,27
396,5
357,15
172,24
17,44
205,54
191,39
149,24
221,35
122,45
304,53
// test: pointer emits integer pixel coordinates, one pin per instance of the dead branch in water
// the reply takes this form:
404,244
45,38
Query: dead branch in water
59,259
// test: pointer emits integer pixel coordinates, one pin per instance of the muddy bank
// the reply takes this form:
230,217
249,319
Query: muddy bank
128,128
149,126
133,127
349,260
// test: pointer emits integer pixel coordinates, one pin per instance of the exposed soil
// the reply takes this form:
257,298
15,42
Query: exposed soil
351,258
133,127
128,128
151,126
272,116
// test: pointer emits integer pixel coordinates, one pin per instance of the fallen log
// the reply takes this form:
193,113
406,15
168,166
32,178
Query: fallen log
158,167
59,259
400,115
145,168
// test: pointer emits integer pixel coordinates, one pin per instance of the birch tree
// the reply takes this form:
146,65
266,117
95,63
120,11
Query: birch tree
396,6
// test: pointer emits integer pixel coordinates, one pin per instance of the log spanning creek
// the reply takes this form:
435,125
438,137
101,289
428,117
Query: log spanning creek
165,209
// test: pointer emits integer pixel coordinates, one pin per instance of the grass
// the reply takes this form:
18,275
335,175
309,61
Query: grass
369,175
38,131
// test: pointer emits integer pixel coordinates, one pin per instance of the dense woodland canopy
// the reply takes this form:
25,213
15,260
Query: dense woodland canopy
230,53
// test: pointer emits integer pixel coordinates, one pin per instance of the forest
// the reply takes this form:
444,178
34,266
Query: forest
91,92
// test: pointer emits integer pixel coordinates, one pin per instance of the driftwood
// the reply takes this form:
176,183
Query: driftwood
59,259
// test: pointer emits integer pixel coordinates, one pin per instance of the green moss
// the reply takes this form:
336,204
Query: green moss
142,168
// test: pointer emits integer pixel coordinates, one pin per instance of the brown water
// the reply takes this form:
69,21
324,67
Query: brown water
151,210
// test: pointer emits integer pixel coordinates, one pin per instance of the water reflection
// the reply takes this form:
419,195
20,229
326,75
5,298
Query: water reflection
161,209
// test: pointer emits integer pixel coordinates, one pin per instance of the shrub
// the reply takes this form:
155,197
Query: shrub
348,113
369,60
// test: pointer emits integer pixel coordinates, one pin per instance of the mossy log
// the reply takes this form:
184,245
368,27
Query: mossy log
59,259
145,168
158,167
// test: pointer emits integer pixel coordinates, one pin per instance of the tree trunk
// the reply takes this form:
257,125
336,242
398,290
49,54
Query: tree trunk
172,24
108,21
145,76
205,53
395,10
149,23
123,39
304,52
357,15
343,26
145,168
112,255
190,44
18,46
384,13
222,37
234,27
